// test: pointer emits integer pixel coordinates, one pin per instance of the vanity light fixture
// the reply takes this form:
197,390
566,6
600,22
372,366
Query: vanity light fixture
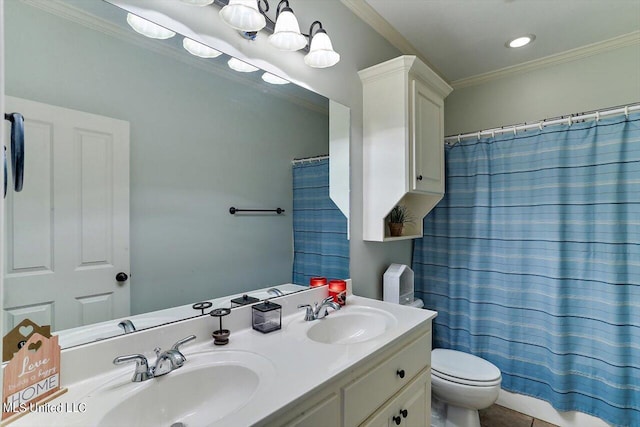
273,79
250,16
148,28
520,41
199,49
321,53
241,66
243,15
286,34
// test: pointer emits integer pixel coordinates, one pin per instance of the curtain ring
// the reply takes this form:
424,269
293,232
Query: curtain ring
540,125
569,120
597,116
458,138
626,111
515,132
478,135
493,134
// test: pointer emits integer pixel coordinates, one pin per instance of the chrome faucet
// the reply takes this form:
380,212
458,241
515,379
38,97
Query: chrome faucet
316,311
275,291
127,325
166,361
171,359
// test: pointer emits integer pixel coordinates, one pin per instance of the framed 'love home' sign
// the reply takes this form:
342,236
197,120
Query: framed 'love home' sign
32,375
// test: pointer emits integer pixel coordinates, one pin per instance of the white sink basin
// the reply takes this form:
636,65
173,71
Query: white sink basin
351,325
209,387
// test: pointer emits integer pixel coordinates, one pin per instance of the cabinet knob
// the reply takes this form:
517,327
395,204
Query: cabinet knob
397,420
121,277
404,413
400,373
419,177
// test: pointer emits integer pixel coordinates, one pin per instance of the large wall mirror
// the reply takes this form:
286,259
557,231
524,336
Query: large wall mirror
135,151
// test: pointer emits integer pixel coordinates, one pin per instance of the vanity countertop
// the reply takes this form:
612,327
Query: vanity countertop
293,365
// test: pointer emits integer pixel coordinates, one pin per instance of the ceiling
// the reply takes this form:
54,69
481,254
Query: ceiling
464,38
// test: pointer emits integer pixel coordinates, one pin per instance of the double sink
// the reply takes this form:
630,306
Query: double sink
255,375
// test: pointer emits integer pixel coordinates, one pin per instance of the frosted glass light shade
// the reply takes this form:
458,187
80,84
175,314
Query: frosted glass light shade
199,49
321,53
286,35
243,15
274,80
198,2
148,28
240,66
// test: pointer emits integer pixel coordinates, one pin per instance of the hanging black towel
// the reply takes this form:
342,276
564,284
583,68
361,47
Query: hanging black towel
17,150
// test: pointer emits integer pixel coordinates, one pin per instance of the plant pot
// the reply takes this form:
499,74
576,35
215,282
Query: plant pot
395,229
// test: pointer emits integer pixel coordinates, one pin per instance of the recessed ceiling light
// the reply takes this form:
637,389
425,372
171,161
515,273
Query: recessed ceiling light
240,66
148,28
520,41
273,79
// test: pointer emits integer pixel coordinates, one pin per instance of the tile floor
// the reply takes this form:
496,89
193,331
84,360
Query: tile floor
499,416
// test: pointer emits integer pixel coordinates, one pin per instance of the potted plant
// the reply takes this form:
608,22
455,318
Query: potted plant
398,216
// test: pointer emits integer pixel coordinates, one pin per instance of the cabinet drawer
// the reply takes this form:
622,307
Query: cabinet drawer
410,408
365,395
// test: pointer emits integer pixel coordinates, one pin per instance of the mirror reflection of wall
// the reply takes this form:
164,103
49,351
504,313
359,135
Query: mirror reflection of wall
200,142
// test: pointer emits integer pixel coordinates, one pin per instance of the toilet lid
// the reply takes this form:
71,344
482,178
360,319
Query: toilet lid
464,367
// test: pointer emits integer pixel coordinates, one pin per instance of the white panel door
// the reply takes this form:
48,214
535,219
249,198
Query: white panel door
67,232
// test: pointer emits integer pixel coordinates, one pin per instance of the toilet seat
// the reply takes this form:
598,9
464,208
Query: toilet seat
464,368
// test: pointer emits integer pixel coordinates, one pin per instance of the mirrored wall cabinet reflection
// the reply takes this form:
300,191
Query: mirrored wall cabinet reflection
135,150
403,102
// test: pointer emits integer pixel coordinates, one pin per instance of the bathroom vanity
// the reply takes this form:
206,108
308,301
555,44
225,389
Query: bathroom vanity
365,364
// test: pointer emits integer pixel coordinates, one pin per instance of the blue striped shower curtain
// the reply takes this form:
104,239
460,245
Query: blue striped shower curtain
320,244
532,261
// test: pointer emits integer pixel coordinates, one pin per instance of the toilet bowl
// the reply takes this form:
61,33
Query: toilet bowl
462,383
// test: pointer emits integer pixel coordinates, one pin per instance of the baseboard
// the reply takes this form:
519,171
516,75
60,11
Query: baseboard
544,411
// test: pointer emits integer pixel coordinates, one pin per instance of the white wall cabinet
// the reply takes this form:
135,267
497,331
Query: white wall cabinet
395,382
403,152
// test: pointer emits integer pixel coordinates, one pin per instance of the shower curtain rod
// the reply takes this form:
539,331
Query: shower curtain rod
310,159
565,120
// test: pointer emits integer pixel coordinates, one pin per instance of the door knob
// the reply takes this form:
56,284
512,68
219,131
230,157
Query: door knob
419,177
121,277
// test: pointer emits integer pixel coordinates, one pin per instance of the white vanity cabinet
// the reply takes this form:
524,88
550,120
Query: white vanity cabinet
403,126
392,381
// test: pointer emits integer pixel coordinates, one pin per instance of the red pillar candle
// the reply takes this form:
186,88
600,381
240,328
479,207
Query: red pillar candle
338,290
317,281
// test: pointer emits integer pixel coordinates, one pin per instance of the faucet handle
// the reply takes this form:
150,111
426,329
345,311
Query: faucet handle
184,340
327,299
309,315
142,372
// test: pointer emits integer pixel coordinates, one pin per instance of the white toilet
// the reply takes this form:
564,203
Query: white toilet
461,383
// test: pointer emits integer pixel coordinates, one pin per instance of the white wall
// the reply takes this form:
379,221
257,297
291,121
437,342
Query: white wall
608,79
360,47
199,144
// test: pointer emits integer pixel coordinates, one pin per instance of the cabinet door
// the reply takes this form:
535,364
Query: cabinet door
411,407
427,139
325,413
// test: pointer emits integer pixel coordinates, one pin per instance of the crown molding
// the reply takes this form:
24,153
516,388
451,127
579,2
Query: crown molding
81,17
369,15
629,39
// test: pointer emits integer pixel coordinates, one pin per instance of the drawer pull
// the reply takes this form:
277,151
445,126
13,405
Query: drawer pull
397,420
404,413
400,373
